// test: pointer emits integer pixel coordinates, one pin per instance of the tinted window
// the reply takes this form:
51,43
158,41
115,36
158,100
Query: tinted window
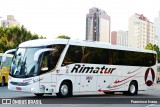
50,58
81,54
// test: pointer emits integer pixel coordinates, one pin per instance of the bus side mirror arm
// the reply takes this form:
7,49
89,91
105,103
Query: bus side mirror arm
37,54
4,56
8,51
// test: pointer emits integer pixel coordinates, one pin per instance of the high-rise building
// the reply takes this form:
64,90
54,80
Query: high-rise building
98,25
157,30
114,37
122,38
9,22
140,31
119,38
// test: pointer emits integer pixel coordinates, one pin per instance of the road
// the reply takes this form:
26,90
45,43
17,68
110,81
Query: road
93,99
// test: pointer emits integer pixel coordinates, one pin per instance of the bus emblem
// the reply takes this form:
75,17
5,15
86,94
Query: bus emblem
149,77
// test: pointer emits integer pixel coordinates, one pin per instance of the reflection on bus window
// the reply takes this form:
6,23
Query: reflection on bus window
50,59
90,55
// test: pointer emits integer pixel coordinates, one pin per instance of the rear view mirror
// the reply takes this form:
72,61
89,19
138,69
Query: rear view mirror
8,51
4,56
37,54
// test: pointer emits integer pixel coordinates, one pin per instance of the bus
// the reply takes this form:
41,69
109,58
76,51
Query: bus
64,67
5,68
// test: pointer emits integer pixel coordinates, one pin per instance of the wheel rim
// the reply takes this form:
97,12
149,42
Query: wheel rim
132,89
64,89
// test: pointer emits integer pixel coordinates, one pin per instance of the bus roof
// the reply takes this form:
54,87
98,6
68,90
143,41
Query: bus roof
45,42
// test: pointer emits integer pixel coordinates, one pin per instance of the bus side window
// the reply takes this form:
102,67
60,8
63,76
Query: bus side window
44,67
49,61
73,55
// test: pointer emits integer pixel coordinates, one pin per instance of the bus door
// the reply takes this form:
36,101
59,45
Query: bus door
77,83
46,66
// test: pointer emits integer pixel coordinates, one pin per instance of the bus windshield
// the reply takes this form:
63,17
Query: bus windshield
24,66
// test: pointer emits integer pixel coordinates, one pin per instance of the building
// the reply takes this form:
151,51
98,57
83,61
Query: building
122,38
9,22
98,25
119,38
114,37
140,31
157,30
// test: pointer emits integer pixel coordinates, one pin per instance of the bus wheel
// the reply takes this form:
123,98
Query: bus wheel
111,93
64,90
3,82
133,89
38,94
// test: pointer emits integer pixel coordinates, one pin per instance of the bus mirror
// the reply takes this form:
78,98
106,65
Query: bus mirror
3,58
37,54
4,55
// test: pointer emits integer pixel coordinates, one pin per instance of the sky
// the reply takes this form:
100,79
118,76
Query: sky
51,18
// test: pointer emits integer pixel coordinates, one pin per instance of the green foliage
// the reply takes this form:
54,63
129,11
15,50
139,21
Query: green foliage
63,37
11,37
41,37
155,48
152,47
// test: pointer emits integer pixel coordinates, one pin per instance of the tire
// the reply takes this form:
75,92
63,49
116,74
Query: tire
65,90
132,90
111,93
3,81
38,94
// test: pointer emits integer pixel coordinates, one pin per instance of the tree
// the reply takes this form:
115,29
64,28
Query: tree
149,46
41,37
11,37
155,48
152,47
63,37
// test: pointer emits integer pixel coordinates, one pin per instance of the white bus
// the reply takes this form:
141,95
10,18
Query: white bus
64,67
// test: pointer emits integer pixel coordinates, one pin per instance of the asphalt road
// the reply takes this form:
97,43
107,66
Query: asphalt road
89,99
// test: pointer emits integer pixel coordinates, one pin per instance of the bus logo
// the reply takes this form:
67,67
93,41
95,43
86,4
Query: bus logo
149,77
86,69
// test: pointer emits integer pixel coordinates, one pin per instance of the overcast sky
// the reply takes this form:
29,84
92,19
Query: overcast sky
55,17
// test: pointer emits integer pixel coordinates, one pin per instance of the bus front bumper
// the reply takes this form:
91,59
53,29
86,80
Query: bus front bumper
22,85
